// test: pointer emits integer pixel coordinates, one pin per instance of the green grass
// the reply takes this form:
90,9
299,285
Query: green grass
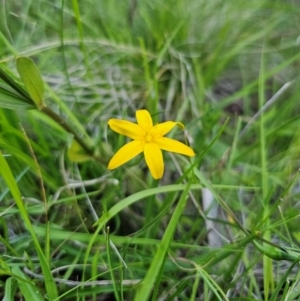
220,226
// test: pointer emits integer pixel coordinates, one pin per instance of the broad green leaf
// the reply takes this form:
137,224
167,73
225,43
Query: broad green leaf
32,79
76,153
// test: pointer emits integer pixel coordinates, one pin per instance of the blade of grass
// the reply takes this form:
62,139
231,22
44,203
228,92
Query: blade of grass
253,85
15,86
138,196
10,99
11,285
8,44
127,202
152,103
234,143
195,287
60,234
10,181
267,262
22,156
29,291
146,287
80,32
212,284
199,158
110,265
18,178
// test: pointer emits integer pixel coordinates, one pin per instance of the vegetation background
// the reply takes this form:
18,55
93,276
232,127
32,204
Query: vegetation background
228,70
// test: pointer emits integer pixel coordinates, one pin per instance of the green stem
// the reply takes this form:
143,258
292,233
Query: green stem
60,121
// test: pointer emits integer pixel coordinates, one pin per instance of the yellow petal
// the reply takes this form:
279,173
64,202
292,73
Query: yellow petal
126,128
126,153
144,119
166,127
154,160
174,146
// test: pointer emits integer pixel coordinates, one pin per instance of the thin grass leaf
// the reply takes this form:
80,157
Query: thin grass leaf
80,32
110,266
195,287
18,178
11,285
212,284
9,179
28,290
138,196
13,101
267,268
18,153
200,157
252,86
61,234
15,86
146,286
291,290
127,202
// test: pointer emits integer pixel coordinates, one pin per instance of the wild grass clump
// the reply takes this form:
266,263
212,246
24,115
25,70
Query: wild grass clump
218,226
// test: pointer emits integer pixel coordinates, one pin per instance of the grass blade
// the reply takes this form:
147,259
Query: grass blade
144,291
11,285
10,181
28,290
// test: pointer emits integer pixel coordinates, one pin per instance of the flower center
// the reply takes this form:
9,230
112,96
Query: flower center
149,138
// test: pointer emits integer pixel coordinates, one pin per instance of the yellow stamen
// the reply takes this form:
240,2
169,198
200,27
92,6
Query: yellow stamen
149,138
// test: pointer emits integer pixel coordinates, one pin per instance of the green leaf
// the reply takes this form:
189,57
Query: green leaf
76,153
10,181
28,290
11,285
32,79
126,202
14,85
9,99
158,261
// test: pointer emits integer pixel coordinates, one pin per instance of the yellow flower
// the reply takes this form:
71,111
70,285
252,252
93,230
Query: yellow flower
148,139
